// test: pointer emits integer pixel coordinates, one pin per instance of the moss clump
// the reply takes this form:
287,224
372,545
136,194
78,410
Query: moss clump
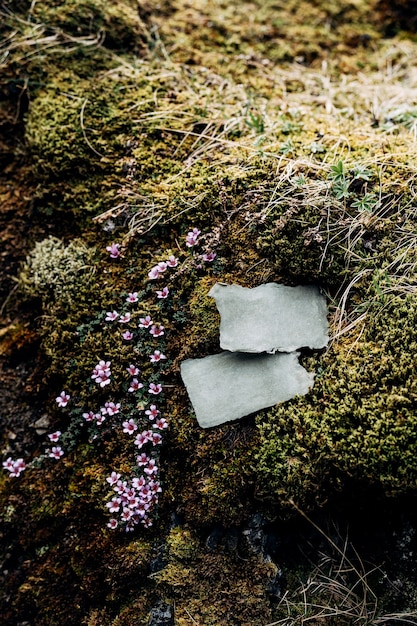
359,421
214,588
56,272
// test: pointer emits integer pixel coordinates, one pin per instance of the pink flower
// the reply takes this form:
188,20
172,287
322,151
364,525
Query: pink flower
142,459
163,293
157,356
157,331
154,273
113,523
114,250
62,399
89,417
209,257
155,388
172,261
156,438
162,266
129,427
55,436
56,452
14,467
114,504
143,438
127,335
138,483
152,412
191,238
145,322
132,297
101,373
111,316
132,370
126,514
9,464
124,318
151,468
110,408
135,385
154,486
100,419
113,478
161,423
120,487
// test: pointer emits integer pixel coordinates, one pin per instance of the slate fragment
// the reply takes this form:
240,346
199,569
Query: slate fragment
227,386
271,317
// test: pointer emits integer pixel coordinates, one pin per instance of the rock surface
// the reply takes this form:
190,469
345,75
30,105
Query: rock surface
271,318
224,387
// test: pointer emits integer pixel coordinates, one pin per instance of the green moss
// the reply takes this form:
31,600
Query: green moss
358,423
209,586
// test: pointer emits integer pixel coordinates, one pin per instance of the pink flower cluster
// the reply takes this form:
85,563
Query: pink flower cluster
102,373
160,267
15,468
134,499
192,237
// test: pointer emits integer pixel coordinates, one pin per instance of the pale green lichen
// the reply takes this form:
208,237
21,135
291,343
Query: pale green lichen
56,272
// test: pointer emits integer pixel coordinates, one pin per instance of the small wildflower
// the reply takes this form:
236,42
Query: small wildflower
56,452
100,419
162,266
111,316
101,373
154,273
163,293
133,370
55,436
209,257
114,505
135,385
155,388
110,408
156,439
151,468
114,250
152,412
138,483
157,356
142,459
157,331
113,478
132,297
127,335
112,523
143,438
172,261
191,238
129,427
89,417
124,319
145,322
62,399
161,423
14,467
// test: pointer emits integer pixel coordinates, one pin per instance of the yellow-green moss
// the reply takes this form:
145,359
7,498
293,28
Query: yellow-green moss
207,586
359,421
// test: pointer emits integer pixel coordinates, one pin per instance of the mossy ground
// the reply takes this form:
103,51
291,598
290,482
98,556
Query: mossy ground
286,132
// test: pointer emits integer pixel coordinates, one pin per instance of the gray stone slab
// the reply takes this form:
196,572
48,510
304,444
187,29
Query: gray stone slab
224,387
271,317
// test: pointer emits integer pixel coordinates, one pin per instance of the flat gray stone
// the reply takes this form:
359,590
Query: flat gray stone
224,387
271,317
